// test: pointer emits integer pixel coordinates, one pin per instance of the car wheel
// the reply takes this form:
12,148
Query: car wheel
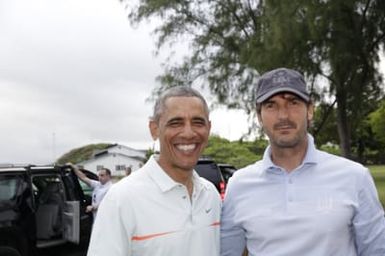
9,251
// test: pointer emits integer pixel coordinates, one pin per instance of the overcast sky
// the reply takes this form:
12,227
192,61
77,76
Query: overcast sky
74,72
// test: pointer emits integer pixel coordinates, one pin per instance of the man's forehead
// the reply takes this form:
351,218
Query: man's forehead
284,95
174,99
183,105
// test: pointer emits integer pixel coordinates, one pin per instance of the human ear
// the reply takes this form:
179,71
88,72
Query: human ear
310,112
154,129
259,119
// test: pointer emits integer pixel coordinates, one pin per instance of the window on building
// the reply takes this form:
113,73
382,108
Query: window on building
120,167
99,167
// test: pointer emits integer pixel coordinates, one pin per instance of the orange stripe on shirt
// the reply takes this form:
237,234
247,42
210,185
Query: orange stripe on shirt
146,237
216,224
141,238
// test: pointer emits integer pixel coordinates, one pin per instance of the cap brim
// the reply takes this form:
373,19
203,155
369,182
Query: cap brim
282,89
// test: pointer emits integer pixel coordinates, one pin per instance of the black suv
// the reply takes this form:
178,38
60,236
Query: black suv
208,169
40,207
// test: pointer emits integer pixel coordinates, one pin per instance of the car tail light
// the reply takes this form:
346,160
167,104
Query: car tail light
222,188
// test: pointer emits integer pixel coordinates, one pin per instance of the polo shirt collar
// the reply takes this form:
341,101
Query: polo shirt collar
165,182
310,157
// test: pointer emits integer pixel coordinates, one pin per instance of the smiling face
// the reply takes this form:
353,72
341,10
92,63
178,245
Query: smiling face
285,119
183,130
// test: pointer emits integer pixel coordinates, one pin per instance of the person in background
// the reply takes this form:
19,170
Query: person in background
127,170
164,208
100,186
299,200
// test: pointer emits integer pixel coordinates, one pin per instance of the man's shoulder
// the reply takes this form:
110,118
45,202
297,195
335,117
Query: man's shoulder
252,169
323,155
251,172
135,181
335,162
207,184
94,183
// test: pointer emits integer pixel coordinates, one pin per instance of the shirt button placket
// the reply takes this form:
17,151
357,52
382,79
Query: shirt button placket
289,185
187,203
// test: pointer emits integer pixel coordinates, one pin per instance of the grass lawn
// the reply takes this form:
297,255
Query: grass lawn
378,173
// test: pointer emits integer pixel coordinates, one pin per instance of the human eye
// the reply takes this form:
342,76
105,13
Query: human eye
199,121
269,106
174,122
295,102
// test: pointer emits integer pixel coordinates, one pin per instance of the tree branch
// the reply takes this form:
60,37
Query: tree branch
324,118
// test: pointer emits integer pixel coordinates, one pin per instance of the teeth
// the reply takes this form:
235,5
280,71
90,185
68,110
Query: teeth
188,147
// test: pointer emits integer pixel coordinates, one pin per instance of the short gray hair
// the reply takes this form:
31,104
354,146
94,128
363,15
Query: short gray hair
177,91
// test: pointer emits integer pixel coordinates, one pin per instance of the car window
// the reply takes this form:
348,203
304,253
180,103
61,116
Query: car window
208,171
227,171
87,190
8,187
44,185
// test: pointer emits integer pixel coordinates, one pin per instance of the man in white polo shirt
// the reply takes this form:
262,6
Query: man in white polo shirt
99,187
164,208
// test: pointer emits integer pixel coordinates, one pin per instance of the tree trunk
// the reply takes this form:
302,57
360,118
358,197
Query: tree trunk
343,126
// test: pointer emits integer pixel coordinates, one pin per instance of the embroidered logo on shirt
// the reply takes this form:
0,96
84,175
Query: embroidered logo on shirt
325,204
208,210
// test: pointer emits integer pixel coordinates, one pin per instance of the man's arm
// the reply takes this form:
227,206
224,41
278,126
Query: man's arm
369,221
233,239
80,174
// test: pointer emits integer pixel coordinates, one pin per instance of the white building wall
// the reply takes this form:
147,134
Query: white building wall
112,162
126,151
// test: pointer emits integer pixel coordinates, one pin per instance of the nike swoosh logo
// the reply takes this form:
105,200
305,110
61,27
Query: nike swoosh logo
208,210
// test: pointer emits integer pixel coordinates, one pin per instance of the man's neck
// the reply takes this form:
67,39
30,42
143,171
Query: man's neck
289,158
184,177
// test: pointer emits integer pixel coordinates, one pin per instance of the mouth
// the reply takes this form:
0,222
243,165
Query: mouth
187,148
284,129
284,126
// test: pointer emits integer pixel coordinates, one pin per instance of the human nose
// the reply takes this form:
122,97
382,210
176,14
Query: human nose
282,113
188,131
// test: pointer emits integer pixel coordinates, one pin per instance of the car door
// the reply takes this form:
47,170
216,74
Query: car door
79,222
71,221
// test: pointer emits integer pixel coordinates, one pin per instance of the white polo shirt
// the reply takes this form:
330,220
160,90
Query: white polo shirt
149,214
98,192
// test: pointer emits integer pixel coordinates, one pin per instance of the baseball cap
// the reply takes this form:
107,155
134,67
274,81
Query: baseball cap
281,80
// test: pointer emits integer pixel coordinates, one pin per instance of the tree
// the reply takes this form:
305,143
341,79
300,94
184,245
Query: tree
334,43
325,117
80,154
236,153
377,122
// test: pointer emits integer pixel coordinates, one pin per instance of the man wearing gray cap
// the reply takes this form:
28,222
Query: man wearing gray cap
298,200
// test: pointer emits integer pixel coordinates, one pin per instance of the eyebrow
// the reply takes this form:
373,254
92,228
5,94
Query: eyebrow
178,119
198,118
175,119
